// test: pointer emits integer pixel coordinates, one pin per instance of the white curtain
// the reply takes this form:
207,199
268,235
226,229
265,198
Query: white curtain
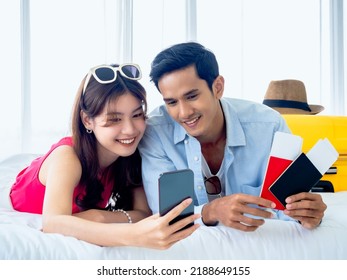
254,41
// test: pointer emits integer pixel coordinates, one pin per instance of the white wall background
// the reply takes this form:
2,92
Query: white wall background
255,41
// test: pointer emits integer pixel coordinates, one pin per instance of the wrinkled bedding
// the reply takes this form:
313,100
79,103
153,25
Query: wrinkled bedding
21,238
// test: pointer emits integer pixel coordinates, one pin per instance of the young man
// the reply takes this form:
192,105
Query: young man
225,141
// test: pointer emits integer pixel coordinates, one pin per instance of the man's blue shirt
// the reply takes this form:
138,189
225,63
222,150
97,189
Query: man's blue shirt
250,129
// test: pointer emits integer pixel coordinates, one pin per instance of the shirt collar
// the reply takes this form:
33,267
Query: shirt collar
235,133
180,133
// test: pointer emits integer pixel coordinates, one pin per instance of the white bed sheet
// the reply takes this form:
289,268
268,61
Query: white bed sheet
21,238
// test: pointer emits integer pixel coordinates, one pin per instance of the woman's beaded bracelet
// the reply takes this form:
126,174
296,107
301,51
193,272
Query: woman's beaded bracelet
125,213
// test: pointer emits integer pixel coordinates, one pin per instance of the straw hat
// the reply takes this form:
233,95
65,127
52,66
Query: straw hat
289,97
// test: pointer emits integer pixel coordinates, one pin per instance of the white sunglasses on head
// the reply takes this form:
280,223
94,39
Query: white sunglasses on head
106,74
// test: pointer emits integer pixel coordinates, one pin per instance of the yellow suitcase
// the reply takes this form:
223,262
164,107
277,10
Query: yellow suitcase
314,127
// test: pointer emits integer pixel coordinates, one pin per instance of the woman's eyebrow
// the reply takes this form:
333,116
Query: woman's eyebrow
120,113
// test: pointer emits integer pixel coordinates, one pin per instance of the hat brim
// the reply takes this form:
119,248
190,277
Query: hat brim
315,109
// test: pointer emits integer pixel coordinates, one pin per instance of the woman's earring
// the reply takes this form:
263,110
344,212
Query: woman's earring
89,131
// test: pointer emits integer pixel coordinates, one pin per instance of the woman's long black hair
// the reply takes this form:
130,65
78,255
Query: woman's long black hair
126,170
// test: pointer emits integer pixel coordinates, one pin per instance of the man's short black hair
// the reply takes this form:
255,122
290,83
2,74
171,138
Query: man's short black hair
182,55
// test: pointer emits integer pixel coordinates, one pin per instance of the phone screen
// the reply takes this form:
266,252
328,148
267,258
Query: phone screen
174,187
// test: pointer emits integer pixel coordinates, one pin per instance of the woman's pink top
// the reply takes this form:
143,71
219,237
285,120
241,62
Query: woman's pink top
27,193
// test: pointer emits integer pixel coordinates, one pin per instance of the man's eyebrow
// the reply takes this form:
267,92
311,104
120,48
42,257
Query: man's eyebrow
120,113
168,99
191,91
186,94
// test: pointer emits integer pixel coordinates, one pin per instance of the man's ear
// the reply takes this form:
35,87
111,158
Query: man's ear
86,120
218,86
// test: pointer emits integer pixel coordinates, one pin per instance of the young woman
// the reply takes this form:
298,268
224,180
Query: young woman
98,169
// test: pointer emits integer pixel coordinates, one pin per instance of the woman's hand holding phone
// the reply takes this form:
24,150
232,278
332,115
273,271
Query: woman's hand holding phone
157,232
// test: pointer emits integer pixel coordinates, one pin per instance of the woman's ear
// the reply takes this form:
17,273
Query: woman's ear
86,120
218,86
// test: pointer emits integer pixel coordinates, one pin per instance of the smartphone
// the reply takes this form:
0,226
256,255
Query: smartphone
174,187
